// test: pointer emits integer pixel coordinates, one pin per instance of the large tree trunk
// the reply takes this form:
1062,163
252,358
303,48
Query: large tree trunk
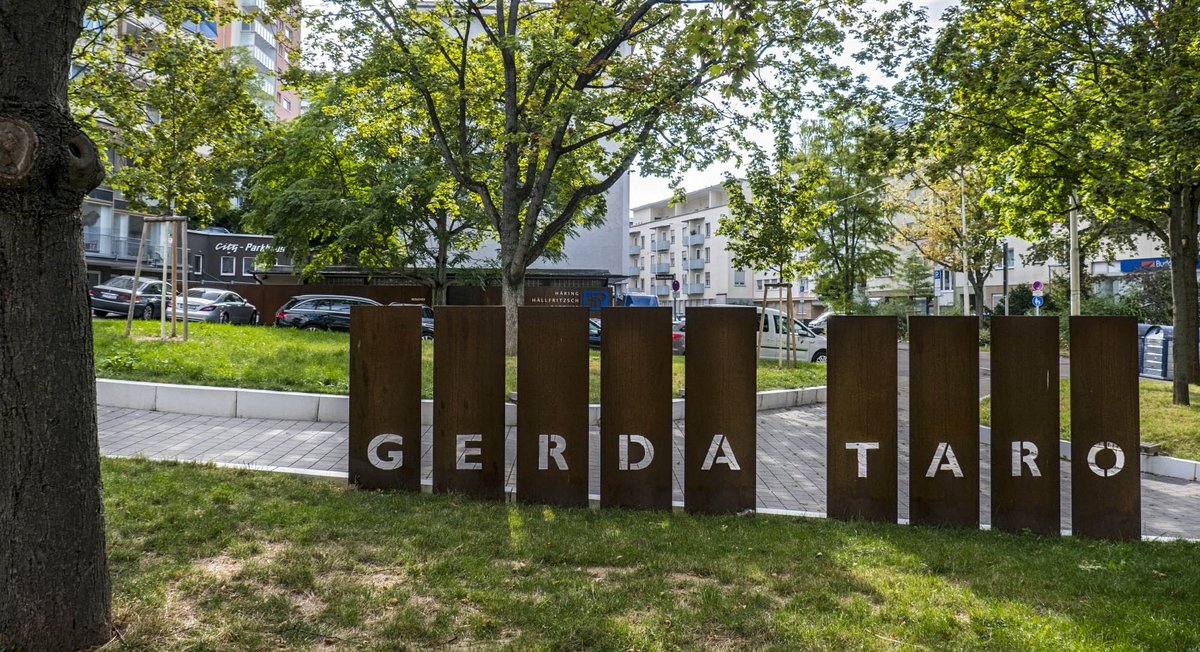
54,588
512,294
440,273
1184,250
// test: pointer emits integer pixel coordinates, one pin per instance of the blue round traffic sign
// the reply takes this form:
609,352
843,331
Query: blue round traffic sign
675,285
1038,302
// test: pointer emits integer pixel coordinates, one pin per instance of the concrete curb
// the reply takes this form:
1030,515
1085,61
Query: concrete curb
332,408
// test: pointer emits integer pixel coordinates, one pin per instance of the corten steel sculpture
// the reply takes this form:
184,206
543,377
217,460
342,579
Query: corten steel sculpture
944,421
1025,414
862,424
385,397
468,401
719,401
635,408
552,406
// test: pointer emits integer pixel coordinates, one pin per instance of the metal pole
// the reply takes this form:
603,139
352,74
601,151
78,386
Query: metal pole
162,303
186,273
174,240
962,209
1074,267
1006,278
137,275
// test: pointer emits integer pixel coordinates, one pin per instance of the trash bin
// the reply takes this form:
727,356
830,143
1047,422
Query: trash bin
1156,352
1142,331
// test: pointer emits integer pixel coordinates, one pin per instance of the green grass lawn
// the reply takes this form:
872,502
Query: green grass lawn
300,361
1176,427
213,559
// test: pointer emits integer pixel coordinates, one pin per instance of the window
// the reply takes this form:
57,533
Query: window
198,264
707,279
248,266
759,283
672,237
287,104
644,242
228,266
707,255
287,31
1010,263
739,278
707,229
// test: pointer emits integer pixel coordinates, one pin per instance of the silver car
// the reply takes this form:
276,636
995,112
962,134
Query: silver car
216,305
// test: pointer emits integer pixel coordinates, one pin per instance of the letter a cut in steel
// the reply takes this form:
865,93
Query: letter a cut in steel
552,406
468,406
1106,493
719,441
1025,415
862,422
385,397
944,428
635,407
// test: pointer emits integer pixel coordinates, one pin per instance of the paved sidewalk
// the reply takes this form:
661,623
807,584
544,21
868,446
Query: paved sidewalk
791,458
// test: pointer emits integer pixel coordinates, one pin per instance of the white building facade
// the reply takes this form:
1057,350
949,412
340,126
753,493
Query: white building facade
678,242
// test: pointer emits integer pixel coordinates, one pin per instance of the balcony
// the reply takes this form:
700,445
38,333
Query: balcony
662,290
633,270
635,250
694,263
694,288
660,245
107,245
660,268
695,239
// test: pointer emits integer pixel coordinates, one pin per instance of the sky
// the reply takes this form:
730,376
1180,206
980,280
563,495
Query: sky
644,190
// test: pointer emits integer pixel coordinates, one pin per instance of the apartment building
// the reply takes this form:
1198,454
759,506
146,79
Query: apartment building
670,241
269,42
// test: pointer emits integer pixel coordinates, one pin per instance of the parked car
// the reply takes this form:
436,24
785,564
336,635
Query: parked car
112,296
216,305
640,301
679,337
426,318
809,345
594,333
817,324
319,312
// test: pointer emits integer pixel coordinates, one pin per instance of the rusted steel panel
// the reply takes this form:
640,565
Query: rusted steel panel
862,465
635,411
468,401
944,421
1106,489
385,397
552,406
1025,419
719,401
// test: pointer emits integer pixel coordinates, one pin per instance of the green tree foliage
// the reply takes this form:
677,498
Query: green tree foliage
932,208
347,184
538,109
850,243
769,229
914,276
1091,99
171,107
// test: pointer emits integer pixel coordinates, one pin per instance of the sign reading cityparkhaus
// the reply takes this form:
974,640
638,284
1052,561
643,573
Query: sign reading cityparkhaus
634,447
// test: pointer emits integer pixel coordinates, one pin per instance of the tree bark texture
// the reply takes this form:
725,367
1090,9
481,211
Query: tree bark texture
54,586
1184,250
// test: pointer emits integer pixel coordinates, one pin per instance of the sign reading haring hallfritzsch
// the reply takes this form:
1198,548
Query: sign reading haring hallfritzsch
719,466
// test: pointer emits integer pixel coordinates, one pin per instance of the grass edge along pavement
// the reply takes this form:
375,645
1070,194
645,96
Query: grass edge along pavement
285,359
215,558
1176,427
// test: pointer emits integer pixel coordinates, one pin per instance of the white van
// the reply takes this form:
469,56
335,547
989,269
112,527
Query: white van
809,346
